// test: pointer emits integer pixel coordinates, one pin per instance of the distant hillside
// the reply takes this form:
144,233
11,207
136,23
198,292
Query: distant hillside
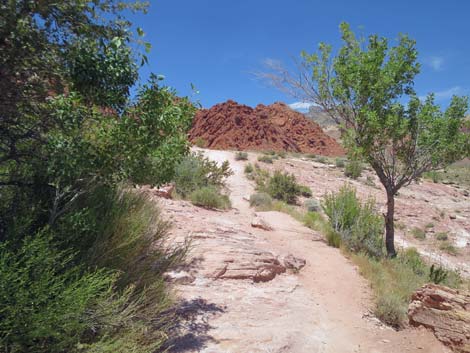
329,126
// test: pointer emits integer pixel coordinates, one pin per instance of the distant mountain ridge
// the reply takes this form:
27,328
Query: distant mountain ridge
319,116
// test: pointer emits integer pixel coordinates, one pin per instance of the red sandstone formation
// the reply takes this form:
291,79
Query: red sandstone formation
274,127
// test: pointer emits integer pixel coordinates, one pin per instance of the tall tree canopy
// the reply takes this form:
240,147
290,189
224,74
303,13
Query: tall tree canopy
66,120
368,89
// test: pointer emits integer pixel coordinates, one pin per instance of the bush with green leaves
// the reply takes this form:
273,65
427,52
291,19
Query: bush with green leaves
312,205
107,289
248,168
305,191
394,280
353,169
209,197
340,163
70,137
266,159
261,200
442,236
437,274
418,233
196,171
241,156
283,186
360,227
321,159
449,248
45,299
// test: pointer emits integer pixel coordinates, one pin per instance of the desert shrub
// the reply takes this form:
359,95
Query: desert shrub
412,259
437,274
390,310
360,227
265,159
429,225
312,205
283,186
433,175
418,233
342,208
321,159
305,191
394,281
333,238
339,162
442,236
209,197
281,154
127,241
311,155
241,156
269,153
261,200
367,231
249,168
200,142
353,169
261,177
449,248
44,307
196,171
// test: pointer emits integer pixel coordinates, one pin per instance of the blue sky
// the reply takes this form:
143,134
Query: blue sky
216,44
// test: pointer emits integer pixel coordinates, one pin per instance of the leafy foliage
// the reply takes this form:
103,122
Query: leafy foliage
363,88
70,137
266,159
360,228
261,200
248,168
312,205
437,274
209,197
196,171
284,187
305,191
394,281
241,156
353,169
45,299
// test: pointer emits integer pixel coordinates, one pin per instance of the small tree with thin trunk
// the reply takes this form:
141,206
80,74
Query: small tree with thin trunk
368,89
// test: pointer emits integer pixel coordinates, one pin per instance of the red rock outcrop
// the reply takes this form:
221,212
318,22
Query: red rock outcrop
446,312
274,127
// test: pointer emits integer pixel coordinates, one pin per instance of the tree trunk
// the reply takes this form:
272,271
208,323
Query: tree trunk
389,226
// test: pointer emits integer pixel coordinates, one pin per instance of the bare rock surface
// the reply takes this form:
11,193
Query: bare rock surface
258,222
294,263
164,191
248,297
446,312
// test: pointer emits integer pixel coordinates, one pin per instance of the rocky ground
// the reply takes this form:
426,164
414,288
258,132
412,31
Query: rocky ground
248,289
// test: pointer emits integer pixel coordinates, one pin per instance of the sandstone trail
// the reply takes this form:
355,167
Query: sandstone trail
262,282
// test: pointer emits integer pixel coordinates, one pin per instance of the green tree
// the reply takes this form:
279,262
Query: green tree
66,120
368,89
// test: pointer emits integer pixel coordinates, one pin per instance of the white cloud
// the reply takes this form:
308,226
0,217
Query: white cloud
301,106
448,93
436,62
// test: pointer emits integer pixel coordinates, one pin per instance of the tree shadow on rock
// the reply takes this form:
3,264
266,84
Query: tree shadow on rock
192,325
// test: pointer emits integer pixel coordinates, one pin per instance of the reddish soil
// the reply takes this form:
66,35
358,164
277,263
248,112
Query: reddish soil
275,127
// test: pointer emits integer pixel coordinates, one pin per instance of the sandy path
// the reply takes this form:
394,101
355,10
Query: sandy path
323,308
